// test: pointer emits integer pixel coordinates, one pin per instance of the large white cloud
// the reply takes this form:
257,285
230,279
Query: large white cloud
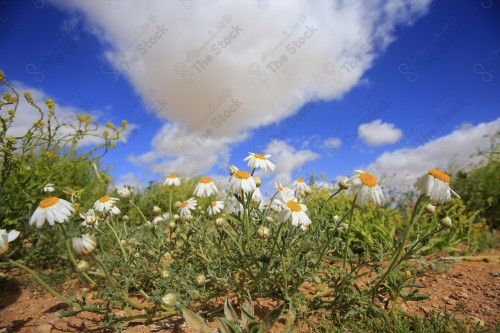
378,133
401,168
225,67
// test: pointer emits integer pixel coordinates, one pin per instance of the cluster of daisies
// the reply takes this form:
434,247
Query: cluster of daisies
435,184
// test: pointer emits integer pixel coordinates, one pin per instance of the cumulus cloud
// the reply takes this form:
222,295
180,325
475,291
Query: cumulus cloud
66,112
288,160
223,68
402,167
378,133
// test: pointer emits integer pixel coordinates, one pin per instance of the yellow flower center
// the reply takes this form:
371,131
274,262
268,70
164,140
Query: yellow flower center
438,174
368,179
260,156
184,204
294,206
104,199
172,176
280,188
300,180
48,202
206,180
214,203
242,174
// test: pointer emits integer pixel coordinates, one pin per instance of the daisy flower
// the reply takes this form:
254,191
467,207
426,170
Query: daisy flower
291,208
259,161
52,210
49,187
436,184
172,180
278,187
90,220
6,238
299,186
242,180
84,245
187,206
158,219
205,188
215,207
107,204
365,185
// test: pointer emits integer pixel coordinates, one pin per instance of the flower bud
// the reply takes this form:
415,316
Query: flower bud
232,170
308,191
177,205
125,218
169,299
269,219
188,217
258,181
263,232
219,221
82,266
430,208
171,225
343,184
447,222
201,279
165,274
137,255
336,219
124,192
156,210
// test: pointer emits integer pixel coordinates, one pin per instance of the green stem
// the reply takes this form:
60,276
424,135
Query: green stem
170,205
400,247
125,256
351,211
139,210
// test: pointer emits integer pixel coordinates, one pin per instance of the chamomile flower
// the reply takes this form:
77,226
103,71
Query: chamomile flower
365,185
436,184
107,204
84,245
278,187
292,209
259,161
185,207
49,188
6,238
52,210
242,181
299,186
90,220
158,219
215,207
172,180
205,188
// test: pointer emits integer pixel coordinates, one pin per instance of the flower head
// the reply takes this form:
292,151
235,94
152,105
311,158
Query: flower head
291,208
107,204
124,192
263,232
52,210
84,245
436,184
299,186
205,188
90,220
185,207
6,238
366,187
259,161
215,207
172,180
49,187
242,181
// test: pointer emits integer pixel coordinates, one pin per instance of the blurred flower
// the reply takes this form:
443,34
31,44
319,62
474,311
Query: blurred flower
232,169
169,299
365,185
165,274
299,186
124,192
82,266
49,187
430,208
84,245
219,221
172,180
125,218
291,208
241,181
158,219
201,279
278,187
51,210
90,219
171,225
156,210
344,184
215,207
187,206
263,232
205,188
259,161
258,181
6,238
107,204
447,222
336,219
436,184
257,195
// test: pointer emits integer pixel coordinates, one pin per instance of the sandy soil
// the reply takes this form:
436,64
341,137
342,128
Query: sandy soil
468,289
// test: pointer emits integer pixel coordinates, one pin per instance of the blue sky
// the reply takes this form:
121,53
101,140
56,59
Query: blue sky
391,86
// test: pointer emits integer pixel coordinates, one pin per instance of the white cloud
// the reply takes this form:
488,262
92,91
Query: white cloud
332,142
403,166
288,160
227,67
66,112
378,133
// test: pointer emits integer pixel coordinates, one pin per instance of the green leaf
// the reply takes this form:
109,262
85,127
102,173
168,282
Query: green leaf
229,312
195,321
225,326
418,297
247,311
271,318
